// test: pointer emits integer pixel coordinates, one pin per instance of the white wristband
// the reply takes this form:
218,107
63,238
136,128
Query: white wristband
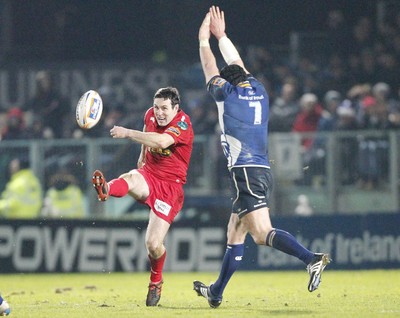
228,50
204,43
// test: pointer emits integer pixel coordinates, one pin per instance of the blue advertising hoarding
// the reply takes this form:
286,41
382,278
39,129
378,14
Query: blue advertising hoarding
354,242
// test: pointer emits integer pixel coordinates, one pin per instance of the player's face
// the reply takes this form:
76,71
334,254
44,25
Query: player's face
164,111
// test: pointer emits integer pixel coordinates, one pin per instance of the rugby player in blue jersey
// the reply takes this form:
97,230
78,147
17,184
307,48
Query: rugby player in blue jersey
4,307
243,106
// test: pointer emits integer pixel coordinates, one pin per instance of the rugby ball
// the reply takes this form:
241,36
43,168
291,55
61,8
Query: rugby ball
89,109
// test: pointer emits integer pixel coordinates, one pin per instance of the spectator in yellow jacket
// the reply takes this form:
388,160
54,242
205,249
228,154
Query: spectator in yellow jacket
22,196
64,198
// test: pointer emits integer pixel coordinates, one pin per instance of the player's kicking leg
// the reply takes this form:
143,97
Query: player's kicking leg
315,269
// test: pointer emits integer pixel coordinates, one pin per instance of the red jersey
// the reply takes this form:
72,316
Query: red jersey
172,163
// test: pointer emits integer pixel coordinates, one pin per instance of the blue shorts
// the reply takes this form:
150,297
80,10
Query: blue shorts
252,188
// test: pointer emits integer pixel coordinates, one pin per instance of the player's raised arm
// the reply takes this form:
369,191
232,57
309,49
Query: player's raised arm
217,28
207,57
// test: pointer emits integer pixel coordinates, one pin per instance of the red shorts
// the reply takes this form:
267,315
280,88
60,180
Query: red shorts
165,198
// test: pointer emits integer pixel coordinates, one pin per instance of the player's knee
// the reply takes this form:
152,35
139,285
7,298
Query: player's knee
259,237
258,240
127,176
124,175
153,246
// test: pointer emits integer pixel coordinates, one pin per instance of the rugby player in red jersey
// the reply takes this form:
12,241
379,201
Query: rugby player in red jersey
167,142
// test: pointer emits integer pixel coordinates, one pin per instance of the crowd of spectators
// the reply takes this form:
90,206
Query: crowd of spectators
353,83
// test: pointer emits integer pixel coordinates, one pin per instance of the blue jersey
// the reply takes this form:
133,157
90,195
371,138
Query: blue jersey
243,113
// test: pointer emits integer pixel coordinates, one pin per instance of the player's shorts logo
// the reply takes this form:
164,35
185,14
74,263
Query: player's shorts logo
162,207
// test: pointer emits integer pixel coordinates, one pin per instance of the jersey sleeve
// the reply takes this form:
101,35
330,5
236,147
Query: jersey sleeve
219,88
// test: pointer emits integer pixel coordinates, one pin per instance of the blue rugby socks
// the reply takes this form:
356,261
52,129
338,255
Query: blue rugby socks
281,240
232,259
287,243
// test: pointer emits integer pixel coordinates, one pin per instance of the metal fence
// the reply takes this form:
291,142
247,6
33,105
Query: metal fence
343,172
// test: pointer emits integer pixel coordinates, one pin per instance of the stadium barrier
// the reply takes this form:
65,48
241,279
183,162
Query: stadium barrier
328,175
354,242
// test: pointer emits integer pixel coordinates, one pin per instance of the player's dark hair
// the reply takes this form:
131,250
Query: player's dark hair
170,93
233,73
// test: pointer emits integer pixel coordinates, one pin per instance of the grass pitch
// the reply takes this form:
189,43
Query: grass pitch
374,293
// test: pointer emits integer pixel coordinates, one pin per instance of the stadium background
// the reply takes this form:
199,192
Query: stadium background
135,47
101,30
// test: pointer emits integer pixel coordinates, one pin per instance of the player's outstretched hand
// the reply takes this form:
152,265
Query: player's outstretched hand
217,22
204,31
119,132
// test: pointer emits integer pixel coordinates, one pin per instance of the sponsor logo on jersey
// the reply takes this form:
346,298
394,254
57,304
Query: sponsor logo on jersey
183,125
162,152
174,130
256,97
